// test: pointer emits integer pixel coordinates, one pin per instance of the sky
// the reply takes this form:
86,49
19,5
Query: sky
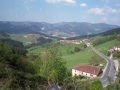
55,11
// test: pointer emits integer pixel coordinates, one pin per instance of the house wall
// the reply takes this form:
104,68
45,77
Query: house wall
77,73
117,48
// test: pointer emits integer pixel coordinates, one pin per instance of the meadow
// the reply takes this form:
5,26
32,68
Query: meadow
35,50
82,57
21,38
71,59
64,48
106,46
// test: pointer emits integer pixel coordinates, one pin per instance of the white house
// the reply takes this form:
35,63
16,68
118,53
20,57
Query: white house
113,49
117,48
25,36
86,70
88,44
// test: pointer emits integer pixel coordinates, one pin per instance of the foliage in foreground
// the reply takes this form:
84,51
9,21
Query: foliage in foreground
19,72
51,65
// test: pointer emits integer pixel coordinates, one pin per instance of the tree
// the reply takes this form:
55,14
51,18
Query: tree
118,54
118,76
51,65
85,46
77,49
96,85
118,37
94,60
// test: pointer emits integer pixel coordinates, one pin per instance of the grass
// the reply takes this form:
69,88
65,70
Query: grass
71,59
62,47
69,47
19,37
81,57
105,46
35,50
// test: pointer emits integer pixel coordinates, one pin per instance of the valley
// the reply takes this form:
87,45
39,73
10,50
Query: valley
61,30
71,51
59,45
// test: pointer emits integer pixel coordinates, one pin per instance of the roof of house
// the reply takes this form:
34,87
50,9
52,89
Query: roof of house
87,68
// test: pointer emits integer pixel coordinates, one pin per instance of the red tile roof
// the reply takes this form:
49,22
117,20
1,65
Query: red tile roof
87,68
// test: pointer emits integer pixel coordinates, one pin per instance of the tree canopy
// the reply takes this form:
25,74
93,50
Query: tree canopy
51,65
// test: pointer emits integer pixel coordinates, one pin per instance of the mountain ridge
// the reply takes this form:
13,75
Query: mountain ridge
68,29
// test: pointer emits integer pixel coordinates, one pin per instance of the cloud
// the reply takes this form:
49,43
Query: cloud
112,1
97,11
103,11
115,19
83,5
109,10
66,2
117,5
104,19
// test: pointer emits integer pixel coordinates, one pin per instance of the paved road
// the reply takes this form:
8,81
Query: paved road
108,72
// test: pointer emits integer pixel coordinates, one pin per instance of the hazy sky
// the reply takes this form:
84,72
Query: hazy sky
52,11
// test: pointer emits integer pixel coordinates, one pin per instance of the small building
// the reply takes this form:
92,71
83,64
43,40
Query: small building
86,70
117,48
28,42
25,36
88,44
113,49
101,64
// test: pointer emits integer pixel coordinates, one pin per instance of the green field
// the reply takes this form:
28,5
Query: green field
35,50
64,48
71,59
105,46
67,48
21,38
81,57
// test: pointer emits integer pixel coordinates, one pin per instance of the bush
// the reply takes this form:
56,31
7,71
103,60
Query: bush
77,49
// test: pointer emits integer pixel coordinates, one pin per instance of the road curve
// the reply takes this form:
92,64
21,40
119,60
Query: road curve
108,72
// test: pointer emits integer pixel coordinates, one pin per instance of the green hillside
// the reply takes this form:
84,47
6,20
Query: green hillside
65,49
105,46
4,34
22,38
71,59
81,57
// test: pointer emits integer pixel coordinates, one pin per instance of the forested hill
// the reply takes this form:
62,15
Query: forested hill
13,42
56,29
109,32
16,46
4,34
